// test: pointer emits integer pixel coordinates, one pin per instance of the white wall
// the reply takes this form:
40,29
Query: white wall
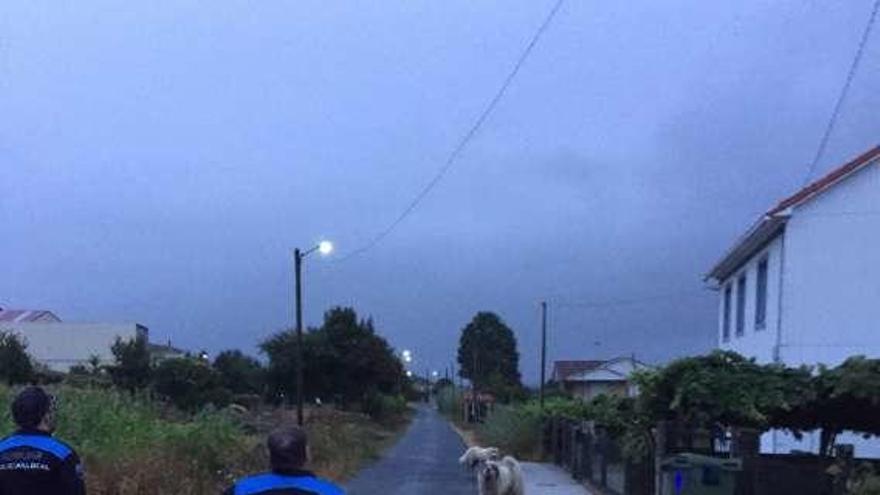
62,345
831,307
755,342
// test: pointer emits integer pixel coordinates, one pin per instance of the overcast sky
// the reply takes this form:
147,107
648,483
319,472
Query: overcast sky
159,160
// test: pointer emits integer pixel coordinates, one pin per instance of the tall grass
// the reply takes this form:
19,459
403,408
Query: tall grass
136,446
449,403
515,430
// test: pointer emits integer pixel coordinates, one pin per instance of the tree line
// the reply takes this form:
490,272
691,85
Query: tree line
346,362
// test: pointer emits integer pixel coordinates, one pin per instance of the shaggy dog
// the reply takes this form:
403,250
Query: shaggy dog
502,477
475,456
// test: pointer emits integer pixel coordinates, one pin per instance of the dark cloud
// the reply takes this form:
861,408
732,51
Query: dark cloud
159,162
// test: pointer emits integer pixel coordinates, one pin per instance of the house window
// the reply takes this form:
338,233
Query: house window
725,324
741,305
761,296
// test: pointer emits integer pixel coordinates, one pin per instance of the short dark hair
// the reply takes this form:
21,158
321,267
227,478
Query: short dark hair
287,448
30,407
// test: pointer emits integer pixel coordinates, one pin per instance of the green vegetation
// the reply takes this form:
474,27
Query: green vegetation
15,365
487,356
129,447
449,402
240,374
190,384
145,426
345,362
135,445
721,389
514,429
132,370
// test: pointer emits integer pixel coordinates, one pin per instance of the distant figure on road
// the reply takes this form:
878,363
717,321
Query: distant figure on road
288,454
31,461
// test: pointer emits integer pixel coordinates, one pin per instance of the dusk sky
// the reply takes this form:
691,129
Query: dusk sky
159,161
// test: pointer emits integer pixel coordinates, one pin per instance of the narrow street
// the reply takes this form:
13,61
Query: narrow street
424,462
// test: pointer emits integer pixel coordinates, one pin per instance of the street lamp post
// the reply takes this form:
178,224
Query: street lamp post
325,248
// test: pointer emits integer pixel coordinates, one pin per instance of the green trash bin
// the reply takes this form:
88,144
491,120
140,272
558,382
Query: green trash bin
694,474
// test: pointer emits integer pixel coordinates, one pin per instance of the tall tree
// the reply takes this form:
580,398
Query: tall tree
240,373
132,370
344,360
487,353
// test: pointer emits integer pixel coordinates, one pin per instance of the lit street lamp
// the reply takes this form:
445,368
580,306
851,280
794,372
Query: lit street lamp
325,248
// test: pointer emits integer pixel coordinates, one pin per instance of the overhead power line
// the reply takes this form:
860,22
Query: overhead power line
854,67
465,139
674,296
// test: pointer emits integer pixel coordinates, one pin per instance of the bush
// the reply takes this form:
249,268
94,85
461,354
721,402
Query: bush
240,374
132,370
15,364
382,407
449,402
514,429
190,384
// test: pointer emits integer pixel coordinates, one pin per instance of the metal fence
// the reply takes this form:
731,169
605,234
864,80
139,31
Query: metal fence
592,455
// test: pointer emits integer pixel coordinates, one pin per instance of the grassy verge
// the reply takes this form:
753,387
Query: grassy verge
135,446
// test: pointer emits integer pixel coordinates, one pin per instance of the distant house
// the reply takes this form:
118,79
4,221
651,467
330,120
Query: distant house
802,286
589,379
60,345
27,316
164,352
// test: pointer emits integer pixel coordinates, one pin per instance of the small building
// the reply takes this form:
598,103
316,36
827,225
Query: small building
591,378
164,352
60,345
27,316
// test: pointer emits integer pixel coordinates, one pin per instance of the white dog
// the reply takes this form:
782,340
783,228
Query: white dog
476,456
502,477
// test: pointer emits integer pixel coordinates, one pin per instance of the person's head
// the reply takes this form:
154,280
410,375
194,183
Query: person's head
34,409
288,449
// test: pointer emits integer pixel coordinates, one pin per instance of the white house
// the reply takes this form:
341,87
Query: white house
589,379
60,345
802,286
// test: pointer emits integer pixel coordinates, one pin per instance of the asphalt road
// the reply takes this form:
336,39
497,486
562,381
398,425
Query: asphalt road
424,462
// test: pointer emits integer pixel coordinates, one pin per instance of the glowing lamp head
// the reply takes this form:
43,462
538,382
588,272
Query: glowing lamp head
325,247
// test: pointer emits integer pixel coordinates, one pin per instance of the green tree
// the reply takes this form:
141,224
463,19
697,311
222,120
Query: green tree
487,354
15,364
190,384
239,373
344,360
131,370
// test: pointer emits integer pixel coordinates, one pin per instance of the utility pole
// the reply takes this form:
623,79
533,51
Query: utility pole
543,349
297,256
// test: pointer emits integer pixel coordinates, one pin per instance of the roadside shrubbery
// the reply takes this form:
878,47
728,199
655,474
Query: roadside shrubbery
129,448
133,445
715,391
449,402
383,407
190,384
515,430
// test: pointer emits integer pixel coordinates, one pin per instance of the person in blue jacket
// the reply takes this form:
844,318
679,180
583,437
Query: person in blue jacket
31,460
288,454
